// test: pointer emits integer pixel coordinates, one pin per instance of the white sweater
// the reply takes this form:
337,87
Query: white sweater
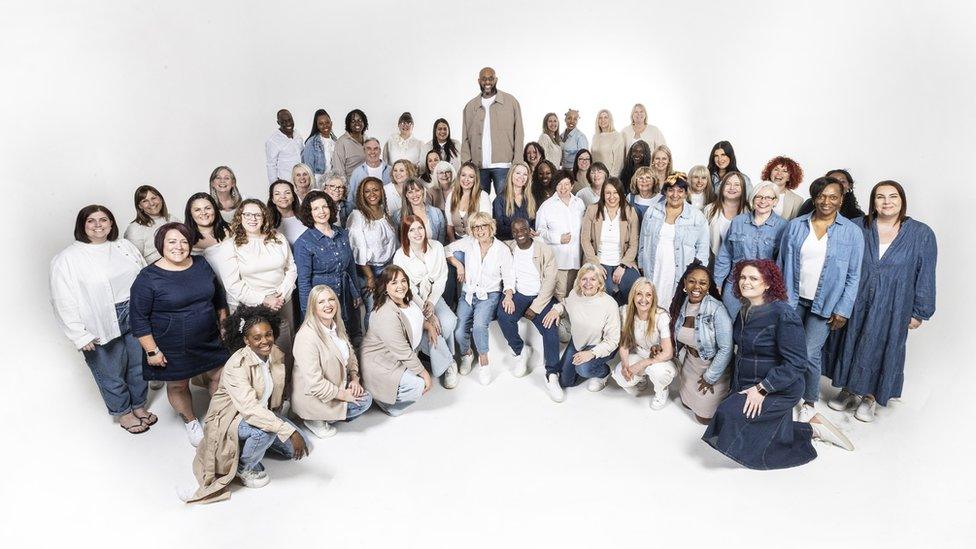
256,270
428,276
144,238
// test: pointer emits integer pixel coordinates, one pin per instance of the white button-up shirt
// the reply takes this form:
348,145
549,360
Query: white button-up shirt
282,153
554,218
427,274
483,276
397,147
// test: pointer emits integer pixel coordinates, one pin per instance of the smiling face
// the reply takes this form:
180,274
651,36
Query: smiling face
532,155
399,173
336,189
357,124
397,288
829,200
611,198
645,185
676,196
151,204
372,193
722,160
432,159
520,176
417,234
598,177
202,212
175,247
660,161
405,127
887,202
589,283
303,180
779,175
572,118
282,197
552,123
637,155
564,188
445,178
286,123
260,338
764,201
482,232
320,211
442,130
252,218
732,189
373,151
603,121
223,182
639,116
698,182
644,298
696,285
323,124
415,195
545,174
97,227
467,178
751,284
487,82
521,232
326,307
584,161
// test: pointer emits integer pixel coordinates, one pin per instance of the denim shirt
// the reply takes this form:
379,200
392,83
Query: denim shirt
357,177
438,224
313,154
841,272
571,145
324,260
641,208
691,238
713,334
746,240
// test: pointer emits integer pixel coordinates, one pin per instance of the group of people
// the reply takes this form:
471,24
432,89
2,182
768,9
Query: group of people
369,270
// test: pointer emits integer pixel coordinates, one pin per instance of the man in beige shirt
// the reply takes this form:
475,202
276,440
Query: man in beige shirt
492,135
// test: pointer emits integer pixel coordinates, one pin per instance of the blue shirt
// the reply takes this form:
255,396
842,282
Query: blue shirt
324,260
572,145
746,240
691,239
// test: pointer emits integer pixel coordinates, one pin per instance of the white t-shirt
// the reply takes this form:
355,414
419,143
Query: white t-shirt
610,241
643,340
268,382
328,146
340,344
376,172
697,200
292,228
664,264
780,204
415,316
486,132
882,248
813,254
527,279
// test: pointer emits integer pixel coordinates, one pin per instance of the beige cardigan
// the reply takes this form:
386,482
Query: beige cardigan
507,136
238,397
545,262
791,204
592,228
609,148
319,375
386,352
553,150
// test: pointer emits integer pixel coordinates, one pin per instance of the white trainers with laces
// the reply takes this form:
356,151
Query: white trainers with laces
521,366
254,479
555,391
484,374
596,384
660,399
319,428
807,411
466,360
450,378
844,400
194,431
865,410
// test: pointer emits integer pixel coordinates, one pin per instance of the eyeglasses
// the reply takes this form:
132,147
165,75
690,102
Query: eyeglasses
248,215
482,226
336,187
761,197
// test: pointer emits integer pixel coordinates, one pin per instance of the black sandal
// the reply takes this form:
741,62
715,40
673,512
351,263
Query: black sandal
147,420
139,428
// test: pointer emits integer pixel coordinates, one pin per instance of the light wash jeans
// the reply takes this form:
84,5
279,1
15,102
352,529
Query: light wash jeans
410,390
255,443
117,368
473,319
817,330
358,408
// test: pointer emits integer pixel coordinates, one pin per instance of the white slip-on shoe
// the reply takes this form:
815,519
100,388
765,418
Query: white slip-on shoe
660,399
194,432
465,367
254,479
521,365
450,378
556,392
865,410
319,428
844,400
807,411
484,374
826,431
596,384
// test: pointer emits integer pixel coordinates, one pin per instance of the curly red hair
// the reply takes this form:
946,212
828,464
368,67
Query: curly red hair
794,169
770,273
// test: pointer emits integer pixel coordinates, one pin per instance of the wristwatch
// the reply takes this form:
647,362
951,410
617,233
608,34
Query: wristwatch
152,353
762,390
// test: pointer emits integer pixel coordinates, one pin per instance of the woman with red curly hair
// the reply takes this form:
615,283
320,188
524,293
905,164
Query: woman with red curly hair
754,426
787,175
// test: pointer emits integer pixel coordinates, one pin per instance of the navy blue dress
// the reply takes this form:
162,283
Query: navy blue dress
179,309
867,356
772,351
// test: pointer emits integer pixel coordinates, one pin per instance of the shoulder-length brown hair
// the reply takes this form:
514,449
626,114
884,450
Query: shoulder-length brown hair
267,223
716,204
389,274
872,209
405,224
141,217
81,235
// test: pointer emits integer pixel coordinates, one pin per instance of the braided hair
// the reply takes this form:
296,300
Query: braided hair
244,318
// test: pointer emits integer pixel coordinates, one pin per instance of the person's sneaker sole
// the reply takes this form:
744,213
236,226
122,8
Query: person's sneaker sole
842,440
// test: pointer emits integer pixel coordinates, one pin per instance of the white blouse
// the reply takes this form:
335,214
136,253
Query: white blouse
483,276
144,238
556,218
415,317
292,228
397,147
610,241
643,340
256,270
427,274
373,241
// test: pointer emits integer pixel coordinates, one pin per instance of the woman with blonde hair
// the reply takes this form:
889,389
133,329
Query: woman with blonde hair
645,191
516,201
223,188
304,180
645,345
550,140
442,181
700,190
402,171
608,145
640,130
662,163
463,200
326,385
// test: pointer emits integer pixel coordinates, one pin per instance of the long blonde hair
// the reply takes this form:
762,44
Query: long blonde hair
457,191
628,339
312,322
528,198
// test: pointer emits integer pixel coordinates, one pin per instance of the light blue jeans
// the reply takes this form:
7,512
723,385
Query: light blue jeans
410,390
473,319
817,330
255,443
448,321
117,368
358,408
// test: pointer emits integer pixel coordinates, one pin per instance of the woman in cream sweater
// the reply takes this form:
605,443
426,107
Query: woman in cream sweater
609,145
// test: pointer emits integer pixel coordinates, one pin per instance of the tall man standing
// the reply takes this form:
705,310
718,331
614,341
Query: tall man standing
283,149
492,132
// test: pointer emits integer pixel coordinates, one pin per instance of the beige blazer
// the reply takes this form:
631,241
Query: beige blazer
386,352
507,135
238,397
545,262
319,375
791,204
592,228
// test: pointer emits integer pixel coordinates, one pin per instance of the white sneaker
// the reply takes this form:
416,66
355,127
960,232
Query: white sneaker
660,399
865,410
194,431
826,431
450,378
844,400
556,392
807,411
254,479
465,368
521,366
484,374
596,384
156,385
319,428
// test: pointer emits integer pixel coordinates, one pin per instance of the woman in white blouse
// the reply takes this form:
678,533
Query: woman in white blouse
639,129
465,199
608,145
206,228
486,272
550,140
402,171
304,180
729,202
447,148
283,206
90,281
259,268
372,237
151,214
645,345
223,188
558,222
403,145
700,191
424,262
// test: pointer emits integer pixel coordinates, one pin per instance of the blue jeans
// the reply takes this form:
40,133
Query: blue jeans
817,330
368,298
358,408
493,175
448,321
732,303
474,318
550,336
572,375
117,368
621,291
255,443
410,390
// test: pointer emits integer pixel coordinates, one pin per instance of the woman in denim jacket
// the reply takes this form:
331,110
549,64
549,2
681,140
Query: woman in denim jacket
753,235
820,256
323,255
684,231
319,146
704,330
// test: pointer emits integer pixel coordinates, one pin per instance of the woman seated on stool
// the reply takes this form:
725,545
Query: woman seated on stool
242,423
645,345
325,378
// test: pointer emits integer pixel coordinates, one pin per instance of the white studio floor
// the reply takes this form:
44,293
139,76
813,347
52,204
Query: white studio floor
482,466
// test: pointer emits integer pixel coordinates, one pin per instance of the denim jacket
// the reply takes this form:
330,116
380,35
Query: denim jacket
641,208
841,273
713,333
691,238
329,261
745,240
313,154
438,224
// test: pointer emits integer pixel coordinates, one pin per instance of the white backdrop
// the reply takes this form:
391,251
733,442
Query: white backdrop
101,97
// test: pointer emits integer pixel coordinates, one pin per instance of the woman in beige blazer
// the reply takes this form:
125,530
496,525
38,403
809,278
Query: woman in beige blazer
325,378
243,420
613,244
391,368
787,175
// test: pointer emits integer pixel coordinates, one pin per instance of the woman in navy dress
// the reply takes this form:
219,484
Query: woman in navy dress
754,426
896,294
176,305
